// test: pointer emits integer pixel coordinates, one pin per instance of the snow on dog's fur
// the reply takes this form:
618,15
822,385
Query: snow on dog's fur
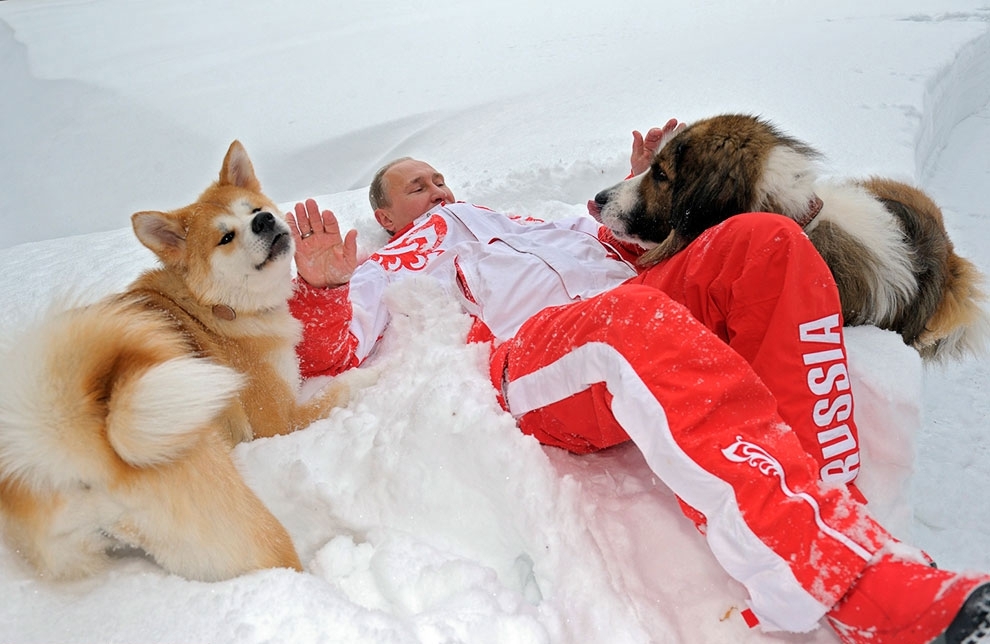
117,419
885,241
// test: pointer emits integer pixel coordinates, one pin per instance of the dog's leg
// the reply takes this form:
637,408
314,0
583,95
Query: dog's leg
198,518
335,394
58,534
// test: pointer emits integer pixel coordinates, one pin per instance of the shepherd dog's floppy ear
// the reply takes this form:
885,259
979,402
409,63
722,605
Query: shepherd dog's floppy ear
713,183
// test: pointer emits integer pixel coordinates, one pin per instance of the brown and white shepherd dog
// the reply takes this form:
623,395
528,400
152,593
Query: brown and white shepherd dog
884,241
117,419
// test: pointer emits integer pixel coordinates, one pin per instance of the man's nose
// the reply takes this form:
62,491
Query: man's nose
437,194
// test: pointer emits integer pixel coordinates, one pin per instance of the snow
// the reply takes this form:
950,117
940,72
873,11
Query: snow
420,513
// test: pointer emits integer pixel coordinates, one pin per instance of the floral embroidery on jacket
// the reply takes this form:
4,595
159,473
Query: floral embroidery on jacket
414,250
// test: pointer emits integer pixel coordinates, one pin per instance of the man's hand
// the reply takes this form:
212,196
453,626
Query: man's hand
644,148
323,258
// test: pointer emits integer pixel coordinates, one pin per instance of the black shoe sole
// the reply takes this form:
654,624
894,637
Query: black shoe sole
972,624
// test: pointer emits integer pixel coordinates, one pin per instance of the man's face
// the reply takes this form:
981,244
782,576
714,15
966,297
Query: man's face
412,188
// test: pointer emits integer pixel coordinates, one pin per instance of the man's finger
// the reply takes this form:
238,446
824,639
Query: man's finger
350,246
302,218
293,220
313,215
330,224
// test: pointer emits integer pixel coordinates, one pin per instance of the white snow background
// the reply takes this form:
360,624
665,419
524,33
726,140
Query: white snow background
420,513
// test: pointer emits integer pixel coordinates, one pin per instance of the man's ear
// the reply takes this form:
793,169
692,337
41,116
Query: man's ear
381,216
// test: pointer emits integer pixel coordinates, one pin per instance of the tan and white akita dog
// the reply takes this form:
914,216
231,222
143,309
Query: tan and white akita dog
117,419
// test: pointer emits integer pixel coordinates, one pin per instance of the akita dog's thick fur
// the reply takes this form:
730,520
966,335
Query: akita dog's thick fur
117,419
884,241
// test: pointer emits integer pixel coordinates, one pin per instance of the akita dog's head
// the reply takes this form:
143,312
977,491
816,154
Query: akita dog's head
231,247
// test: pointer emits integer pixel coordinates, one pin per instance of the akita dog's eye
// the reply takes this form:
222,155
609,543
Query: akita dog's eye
658,173
226,239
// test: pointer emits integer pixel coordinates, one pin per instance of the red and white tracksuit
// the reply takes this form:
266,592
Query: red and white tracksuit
725,365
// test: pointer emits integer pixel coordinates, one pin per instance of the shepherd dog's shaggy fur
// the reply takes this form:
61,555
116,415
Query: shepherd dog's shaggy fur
117,419
884,241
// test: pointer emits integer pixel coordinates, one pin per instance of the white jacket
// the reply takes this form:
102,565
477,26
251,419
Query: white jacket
503,270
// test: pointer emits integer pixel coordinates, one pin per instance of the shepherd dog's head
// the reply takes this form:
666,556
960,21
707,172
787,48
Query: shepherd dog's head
711,170
230,247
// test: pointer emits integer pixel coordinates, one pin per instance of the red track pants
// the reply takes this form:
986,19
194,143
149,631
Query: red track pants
682,360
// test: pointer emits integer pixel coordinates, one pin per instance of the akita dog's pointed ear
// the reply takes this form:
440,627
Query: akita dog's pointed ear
163,233
237,169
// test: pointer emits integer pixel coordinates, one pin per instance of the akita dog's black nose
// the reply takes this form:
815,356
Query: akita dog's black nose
263,222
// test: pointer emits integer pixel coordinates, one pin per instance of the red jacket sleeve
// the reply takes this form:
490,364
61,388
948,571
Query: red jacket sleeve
327,346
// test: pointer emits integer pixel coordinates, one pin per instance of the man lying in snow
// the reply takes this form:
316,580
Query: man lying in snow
724,364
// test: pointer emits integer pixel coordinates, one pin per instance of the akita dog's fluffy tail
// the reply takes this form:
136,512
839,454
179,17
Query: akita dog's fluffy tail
109,437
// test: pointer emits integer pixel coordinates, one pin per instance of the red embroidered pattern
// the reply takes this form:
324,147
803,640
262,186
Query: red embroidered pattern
526,220
414,249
